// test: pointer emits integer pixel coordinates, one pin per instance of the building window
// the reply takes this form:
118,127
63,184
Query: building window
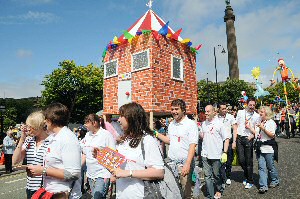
111,69
177,68
140,60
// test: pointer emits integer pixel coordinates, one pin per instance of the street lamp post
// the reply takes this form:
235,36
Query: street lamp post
223,52
2,109
208,97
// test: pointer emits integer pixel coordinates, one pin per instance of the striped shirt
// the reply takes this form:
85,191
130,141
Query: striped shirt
35,156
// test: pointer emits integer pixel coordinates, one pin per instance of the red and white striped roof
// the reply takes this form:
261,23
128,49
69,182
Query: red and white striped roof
149,21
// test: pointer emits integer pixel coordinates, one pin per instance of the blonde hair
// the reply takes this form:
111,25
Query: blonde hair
269,112
36,120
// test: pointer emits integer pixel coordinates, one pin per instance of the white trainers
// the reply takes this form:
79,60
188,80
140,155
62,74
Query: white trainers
228,181
248,186
244,182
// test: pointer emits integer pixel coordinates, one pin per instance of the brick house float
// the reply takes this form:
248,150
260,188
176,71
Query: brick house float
151,70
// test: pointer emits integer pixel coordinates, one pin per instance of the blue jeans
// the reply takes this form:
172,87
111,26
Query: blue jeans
99,187
211,168
266,166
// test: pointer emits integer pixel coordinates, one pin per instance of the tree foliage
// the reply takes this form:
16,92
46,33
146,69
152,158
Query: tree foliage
229,91
277,90
80,88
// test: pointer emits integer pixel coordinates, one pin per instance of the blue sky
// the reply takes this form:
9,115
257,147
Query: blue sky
35,35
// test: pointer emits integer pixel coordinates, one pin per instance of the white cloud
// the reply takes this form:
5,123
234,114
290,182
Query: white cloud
33,2
29,17
29,88
23,53
262,29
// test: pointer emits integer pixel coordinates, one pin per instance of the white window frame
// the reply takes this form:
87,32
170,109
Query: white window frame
117,70
148,56
181,68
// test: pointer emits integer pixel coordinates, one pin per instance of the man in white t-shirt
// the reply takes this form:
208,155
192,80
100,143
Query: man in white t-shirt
182,138
243,140
214,148
230,126
97,137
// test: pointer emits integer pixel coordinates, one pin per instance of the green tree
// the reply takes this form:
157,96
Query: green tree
277,90
10,116
80,88
229,91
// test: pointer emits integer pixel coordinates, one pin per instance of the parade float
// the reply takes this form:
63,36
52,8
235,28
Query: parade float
152,65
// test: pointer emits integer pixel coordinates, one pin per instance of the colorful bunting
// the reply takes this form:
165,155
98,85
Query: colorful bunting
127,35
194,50
176,34
155,35
104,53
185,41
198,47
146,32
164,30
115,41
122,40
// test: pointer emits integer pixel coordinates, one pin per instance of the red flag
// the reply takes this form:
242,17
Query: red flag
198,47
155,35
176,34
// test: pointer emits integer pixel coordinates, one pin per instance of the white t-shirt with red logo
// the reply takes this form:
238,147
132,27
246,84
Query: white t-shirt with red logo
214,135
63,152
181,135
102,138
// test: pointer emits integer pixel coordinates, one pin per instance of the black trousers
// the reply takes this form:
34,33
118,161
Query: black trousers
227,166
288,131
8,162
245,156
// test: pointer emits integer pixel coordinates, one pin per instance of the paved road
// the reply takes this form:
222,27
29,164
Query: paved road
288,169
13,186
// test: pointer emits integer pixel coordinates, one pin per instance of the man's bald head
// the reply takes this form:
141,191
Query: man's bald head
209,112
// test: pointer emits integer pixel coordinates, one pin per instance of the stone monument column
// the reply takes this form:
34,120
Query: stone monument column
229,18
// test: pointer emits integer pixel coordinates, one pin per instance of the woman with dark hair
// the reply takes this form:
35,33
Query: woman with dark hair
97,137
130,176
62,161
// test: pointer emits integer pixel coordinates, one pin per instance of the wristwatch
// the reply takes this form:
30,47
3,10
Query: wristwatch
44,173
130,173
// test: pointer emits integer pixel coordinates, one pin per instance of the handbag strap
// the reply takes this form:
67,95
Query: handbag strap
72,186
143,151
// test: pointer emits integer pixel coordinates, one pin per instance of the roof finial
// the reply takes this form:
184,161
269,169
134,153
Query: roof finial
149,4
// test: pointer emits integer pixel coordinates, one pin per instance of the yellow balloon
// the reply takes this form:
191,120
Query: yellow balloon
256,72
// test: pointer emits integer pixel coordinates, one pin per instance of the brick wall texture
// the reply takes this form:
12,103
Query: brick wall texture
153,88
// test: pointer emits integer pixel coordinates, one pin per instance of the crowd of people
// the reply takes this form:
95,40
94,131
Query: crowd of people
63,164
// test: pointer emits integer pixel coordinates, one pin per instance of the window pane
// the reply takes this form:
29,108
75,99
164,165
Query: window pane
140,60
111,69
176,68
